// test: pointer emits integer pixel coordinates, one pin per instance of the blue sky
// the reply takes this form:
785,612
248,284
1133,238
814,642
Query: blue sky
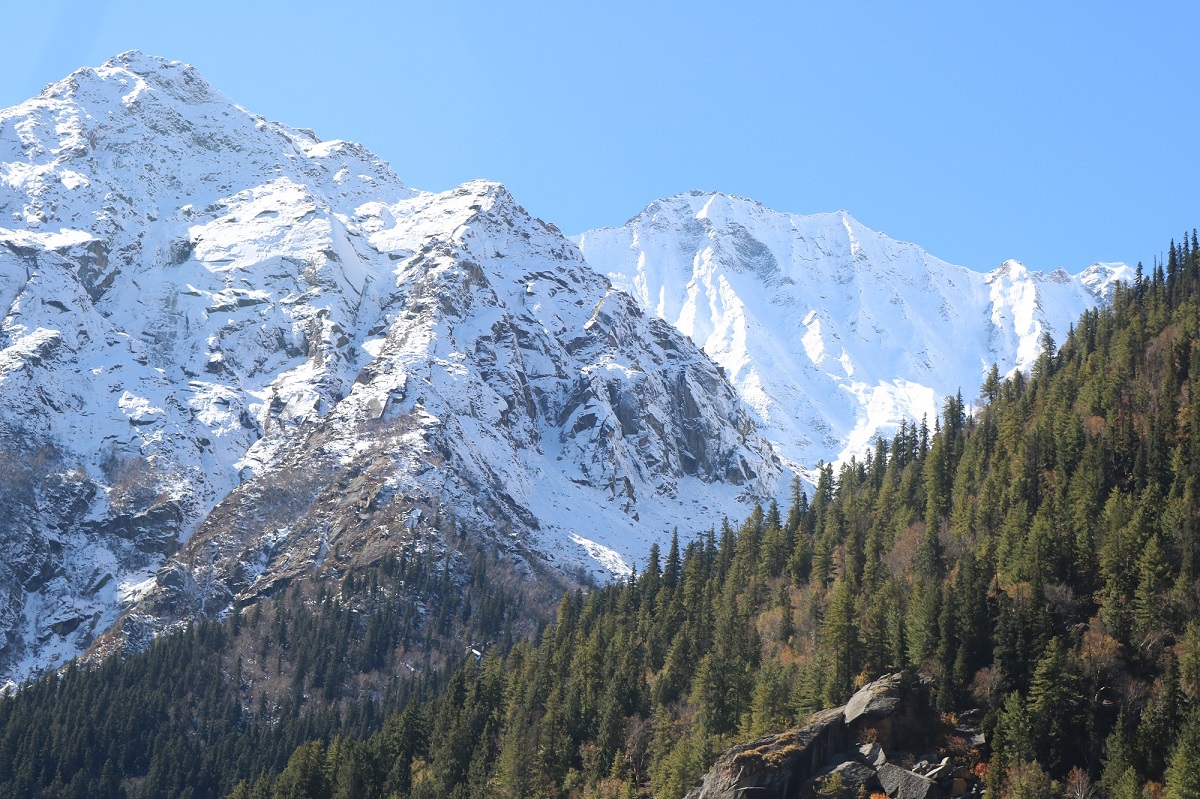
1056,133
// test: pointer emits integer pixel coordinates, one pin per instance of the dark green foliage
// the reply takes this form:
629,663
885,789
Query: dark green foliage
215,703
1183,773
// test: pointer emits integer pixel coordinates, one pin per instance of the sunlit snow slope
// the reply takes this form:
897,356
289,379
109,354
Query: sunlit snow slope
206,315
831,332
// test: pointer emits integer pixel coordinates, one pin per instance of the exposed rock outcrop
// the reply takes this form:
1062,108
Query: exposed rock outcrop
851,751
904,784
777,766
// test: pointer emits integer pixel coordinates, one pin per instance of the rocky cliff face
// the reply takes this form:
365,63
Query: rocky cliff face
227,335
511,390
831,332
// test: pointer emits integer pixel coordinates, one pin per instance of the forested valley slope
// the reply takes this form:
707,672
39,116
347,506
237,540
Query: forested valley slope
1034,562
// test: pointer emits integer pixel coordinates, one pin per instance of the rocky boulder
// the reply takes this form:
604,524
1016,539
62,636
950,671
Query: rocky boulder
845,751
776,766
848,779
901,783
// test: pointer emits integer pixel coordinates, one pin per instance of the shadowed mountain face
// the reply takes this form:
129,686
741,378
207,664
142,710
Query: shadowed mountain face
233,355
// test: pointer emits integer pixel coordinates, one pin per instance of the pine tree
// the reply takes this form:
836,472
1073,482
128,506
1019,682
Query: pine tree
787,625
1012,741
770,705
305,776
839,635
673,571
1053,706
920,627
1183,771
1160,721
1119,779
1153,580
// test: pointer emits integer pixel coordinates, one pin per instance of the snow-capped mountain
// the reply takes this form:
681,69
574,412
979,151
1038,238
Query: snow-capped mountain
223,333
831,332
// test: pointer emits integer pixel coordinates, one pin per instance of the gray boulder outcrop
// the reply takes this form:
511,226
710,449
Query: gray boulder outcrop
776,766
901,783
849,778
845,751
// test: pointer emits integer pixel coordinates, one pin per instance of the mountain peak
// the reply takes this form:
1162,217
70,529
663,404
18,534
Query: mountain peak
141,63
132,72
229,299
158,135
694,201
1100,278
492,192
722,208
1010,268
730,200
833,332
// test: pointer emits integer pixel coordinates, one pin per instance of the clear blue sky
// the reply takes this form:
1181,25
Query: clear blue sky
1058,133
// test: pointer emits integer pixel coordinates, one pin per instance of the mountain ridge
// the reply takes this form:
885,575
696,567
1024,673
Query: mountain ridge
887,328
203,306
198,300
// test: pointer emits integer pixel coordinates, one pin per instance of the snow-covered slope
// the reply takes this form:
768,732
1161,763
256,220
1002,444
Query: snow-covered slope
207,315
831,332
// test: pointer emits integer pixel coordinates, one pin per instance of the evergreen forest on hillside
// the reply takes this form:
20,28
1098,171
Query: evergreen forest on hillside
1033,556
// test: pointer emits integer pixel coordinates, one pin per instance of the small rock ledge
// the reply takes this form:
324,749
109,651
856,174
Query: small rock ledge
880,742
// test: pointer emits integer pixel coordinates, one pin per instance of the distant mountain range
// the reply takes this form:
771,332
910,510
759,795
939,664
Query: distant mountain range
832,333
234,355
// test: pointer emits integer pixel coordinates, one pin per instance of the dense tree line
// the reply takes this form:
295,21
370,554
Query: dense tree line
217,702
